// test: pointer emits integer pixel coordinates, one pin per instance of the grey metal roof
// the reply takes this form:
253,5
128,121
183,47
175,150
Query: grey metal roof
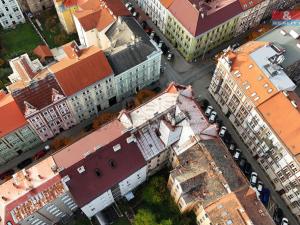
292,53
132,45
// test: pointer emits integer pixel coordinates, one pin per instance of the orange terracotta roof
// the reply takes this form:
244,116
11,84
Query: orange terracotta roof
99,19
89,4
252,80
69,3
166,3
75,74
11,117
284,118
42,51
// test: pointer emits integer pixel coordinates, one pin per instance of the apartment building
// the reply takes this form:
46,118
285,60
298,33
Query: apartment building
103,167
285,37
196,28
65,10
16,135
10,14
206,180
157,10
247,84
86,79
278,5
253,12
35,196
39,97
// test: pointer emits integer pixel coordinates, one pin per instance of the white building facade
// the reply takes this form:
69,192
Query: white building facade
10,14
157,12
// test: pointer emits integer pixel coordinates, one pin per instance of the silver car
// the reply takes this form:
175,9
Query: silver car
212,117
208,110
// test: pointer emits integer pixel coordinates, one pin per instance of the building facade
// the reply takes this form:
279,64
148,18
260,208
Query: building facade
251,16
246,96
17,136
34,7
65,10
278,5
36,195
157,11
10,14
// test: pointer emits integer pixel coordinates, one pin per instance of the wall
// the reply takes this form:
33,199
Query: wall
133,181
10,13
98,204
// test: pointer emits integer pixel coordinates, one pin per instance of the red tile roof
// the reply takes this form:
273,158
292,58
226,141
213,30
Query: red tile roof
75,74
99,15
215,13
11,118
166,3
87,186
69,3
247,4
42,51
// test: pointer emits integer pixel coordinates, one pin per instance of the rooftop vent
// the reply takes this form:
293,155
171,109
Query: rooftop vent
112,163
266,85
117,147
260,77
270,90
253,94
256,99
65,179
237,73
80,169
130,139
98,173
4,198
285,93
250,66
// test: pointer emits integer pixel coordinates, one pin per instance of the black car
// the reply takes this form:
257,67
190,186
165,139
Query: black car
247,169
24,163
277,216
242,163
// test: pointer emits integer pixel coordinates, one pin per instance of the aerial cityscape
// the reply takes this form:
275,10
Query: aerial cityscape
150,112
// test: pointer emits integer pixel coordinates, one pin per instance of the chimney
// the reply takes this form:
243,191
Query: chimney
41,177
15,185
72,51
4,198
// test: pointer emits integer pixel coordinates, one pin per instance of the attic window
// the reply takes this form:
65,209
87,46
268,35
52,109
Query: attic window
98,173
80,169
112,163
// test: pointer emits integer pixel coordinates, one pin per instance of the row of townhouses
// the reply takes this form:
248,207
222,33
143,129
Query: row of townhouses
258,97
60,90
195,27
108,164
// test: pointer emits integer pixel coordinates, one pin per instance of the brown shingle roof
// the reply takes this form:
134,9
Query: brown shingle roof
75,74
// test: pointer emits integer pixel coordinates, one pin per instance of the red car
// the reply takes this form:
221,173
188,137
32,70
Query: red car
40,154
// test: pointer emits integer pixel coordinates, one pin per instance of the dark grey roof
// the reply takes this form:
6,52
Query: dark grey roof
132,53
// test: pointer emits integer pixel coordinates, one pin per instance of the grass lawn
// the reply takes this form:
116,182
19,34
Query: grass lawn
53,31
17,41
153,205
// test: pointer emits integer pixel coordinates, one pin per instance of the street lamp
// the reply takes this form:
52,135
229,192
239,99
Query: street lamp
210,41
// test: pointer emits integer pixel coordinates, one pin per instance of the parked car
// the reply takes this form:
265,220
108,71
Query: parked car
135,14
152,34
208,110
160,44
24,163
128,4
47,147
169,56
260,186
144,24
232,147
7,174
242,163
131,9
237,155
247,169
278,215
222,131
212,117
40,154
284,221
253,178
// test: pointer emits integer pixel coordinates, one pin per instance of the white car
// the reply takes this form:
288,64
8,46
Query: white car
253,178
152,35
128,4
160,44
169,56
284,221
260,186
237,155
212,117
222,131
208,110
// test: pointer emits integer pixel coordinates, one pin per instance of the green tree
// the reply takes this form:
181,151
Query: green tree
155,192
166,222
144,217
